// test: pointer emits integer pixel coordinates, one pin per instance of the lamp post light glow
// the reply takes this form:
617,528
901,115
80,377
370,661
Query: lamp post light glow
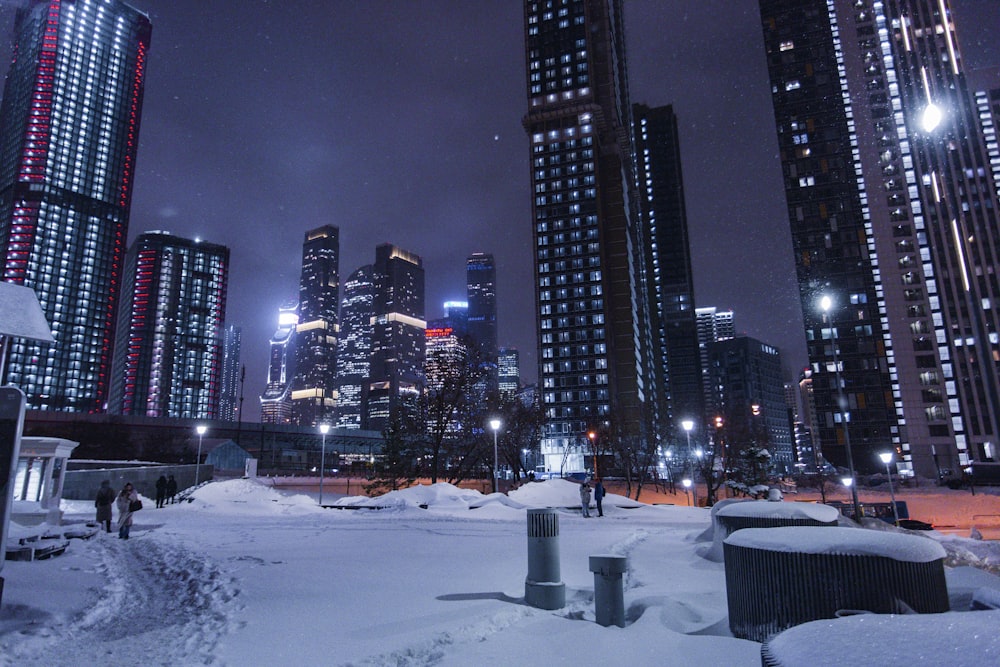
887,459
687,425
931,117
495,425
686,483
323,429
200,429
826,303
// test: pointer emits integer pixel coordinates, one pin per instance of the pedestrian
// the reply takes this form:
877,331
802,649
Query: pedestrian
599,497
171,488
585,499
124,504
161,492
105,499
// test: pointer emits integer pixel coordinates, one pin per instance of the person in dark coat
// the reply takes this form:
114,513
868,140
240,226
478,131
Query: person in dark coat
105,499
599,497
161,492
171,488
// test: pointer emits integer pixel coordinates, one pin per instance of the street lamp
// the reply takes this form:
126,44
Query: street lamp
887,459
826,303
495,425
323,429
200,429
687,488
687,425
593,448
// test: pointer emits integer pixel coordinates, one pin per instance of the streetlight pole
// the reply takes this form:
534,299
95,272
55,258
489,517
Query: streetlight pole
593,447
826,303
495,425
687,425
323,430
200,429
887,459
687,488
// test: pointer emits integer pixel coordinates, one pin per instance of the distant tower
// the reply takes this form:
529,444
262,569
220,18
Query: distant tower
69,131
354,346
481,285
276,401
231,373
671,297
509,371
168,350
397,360
314,385
713,325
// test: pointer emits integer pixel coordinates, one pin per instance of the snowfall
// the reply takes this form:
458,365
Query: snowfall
249,574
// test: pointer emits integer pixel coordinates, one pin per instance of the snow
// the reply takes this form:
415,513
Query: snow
843,541
249,574
783,510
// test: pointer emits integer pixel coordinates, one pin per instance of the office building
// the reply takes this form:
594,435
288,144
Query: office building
168,356
69,131
671,281
712,326
508,371
481,286
396,373
314,384
354,346
596,366
276,401
233,374
892,202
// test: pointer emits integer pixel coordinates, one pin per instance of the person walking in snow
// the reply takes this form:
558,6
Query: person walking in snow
124,502
161,492
171,488
105,499
585,499
599,497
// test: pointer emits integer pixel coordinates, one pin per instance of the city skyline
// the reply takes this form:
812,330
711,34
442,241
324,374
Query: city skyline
395,136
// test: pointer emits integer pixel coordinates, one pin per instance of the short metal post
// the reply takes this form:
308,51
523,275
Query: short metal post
609,591
543,587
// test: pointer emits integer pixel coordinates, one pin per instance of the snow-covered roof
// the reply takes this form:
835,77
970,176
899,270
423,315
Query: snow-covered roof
844,541
766,508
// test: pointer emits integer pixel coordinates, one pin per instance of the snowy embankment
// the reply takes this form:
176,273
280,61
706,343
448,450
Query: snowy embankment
246,574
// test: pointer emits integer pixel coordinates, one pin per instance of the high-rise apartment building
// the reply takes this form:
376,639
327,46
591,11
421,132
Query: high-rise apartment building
276,401
893,208
671,281
396,373
508,371
354,346
713,325
168,348
232,374
481,285
595,342
314,384
69,130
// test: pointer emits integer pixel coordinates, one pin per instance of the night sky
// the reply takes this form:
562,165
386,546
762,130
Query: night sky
400,122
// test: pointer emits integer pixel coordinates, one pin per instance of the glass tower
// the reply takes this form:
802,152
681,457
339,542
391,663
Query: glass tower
481,285
69,130
168,348
354,346
232,374
276,401
893,209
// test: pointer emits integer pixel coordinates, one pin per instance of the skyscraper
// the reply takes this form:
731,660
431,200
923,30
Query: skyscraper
397,359
314,384
168,347
232,374
508,371
893,209
276,401
713,325
671,281
354,346
69,130
481,285
595,366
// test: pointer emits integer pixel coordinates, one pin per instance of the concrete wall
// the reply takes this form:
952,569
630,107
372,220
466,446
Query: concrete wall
83,484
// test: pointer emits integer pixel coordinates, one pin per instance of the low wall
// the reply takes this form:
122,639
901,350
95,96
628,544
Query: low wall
83,484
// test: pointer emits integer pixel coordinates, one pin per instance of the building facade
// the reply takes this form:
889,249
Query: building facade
168,357
314,397
354,346
276,401
508,371
69,131
594,337
233,373
481,288
396,373
892,203
713,325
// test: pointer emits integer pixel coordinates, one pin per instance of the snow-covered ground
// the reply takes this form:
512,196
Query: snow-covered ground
250,575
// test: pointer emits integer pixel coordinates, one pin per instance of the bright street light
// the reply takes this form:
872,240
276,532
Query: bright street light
495,425
200,429
687,425
323,429
931,117
686,483
887,459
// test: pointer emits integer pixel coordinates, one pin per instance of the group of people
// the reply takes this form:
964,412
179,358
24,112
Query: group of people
127,503
599,494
